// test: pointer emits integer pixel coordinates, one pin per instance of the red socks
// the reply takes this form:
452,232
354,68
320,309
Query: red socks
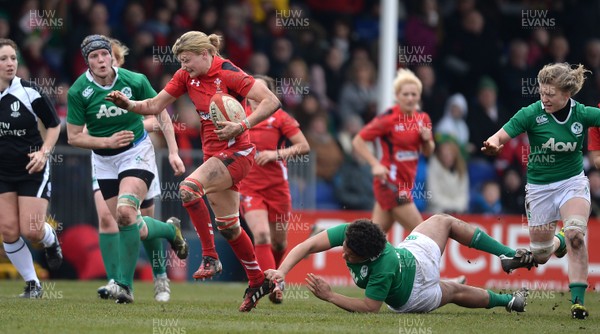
265,256
244,251
200,217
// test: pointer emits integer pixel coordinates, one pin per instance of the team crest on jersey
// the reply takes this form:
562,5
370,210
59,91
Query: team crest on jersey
87,92
127,92
15,106
364,271
542,119
218,83
576,128
247,200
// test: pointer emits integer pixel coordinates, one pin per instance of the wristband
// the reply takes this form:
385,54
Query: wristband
277,156
247,123
244,126
132,105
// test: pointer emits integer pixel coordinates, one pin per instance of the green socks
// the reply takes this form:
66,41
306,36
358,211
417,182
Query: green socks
129,248
498,299
157,255
484,242
158,229
153,244
109,248
577,292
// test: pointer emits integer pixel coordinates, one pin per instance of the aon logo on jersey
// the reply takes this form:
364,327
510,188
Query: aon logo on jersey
559,146
110,111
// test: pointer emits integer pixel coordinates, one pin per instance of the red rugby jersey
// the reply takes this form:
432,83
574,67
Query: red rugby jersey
594,139
400,141
222,76
270,134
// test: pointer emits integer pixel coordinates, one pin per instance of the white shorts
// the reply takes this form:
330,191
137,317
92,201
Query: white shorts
426,294
543,201
109,167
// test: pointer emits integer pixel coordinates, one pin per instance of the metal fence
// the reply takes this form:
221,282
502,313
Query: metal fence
73,203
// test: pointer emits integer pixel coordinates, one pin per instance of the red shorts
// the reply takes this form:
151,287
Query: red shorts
238,162
276,200
390,195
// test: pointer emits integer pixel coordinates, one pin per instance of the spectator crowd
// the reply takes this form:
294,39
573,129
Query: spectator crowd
477,61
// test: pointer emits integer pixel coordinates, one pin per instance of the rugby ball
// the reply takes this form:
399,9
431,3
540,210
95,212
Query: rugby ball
224,107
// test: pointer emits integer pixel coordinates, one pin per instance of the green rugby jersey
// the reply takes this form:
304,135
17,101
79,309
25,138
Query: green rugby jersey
87,106
388,278
555,152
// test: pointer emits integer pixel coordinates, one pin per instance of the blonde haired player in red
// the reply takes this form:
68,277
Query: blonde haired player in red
404,132
228,152
265,194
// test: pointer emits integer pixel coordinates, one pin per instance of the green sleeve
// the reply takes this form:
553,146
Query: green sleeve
337,235
75,109
145,89
379,286
517,124
593,115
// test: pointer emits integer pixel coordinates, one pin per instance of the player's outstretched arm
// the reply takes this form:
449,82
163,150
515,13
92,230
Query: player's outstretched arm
495,143
315,244
321,289
153,106
169,133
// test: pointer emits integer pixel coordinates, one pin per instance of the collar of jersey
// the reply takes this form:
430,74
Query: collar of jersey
89,76
568,116
10,84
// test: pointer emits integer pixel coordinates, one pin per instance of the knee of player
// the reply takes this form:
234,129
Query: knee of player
33,234
126,216
575,229
10,234
262,238
442,218
229,226
106,221
128,206
575,237
190,190
230,233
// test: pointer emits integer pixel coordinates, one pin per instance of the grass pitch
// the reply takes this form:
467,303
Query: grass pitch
207,307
